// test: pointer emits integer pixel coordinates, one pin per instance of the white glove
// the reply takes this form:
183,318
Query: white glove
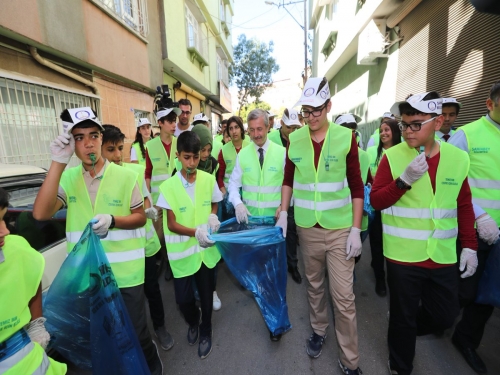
487,229
213,223
283,222
201,235
242,213
415,170
103,222
353,248
468,257
62,148
151,213
37,332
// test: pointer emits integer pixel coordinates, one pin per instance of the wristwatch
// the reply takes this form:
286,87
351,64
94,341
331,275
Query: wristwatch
402,185
112,225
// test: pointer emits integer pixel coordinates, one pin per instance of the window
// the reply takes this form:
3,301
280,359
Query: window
222,11
222,70
132,13
196,43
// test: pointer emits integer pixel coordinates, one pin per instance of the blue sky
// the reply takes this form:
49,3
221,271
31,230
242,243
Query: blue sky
266,22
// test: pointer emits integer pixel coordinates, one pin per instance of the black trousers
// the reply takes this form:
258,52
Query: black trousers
376,246
436,289
469,331
135,301
153,294
184,296
291,239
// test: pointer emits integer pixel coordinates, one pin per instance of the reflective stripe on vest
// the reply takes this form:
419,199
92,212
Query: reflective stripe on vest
229,155
416,216
320,195
184,252
13,360
261,187
163,165
123,247
483,139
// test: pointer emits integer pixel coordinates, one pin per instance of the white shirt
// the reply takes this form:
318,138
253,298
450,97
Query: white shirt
179,131
236,176
133,154
440,135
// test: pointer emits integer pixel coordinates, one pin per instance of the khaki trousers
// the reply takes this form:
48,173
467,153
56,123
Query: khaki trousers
327,248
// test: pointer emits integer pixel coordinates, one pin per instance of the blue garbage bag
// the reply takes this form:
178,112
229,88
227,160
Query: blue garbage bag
255,253
488,292
367,207
86,315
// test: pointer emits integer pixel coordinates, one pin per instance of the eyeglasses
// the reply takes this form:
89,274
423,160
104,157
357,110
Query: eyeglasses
185,113
315,112
415,126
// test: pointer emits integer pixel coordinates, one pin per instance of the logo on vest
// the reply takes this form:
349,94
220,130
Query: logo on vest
296,160
272,169
9,323
332,158
155,159
480,150
207,203
72,199
182,209
449,181
247,169
112,202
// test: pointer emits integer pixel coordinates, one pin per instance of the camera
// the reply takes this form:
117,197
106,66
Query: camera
162,99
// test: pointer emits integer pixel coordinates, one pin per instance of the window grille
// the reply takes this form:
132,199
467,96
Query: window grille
132,13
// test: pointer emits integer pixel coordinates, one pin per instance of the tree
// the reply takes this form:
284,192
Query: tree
252,68
245,110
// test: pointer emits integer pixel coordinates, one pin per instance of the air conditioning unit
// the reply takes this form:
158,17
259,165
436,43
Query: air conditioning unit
372,42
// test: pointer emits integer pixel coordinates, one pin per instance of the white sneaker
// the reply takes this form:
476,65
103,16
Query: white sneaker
217,303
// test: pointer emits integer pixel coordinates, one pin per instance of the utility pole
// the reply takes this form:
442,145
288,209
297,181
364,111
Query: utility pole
305,42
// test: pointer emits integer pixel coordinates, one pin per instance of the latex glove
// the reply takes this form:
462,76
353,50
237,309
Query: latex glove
468,258
213,223
151,213
102,226
353,248
242,213
283,222
62,148
415,169
201,235
487,229
37,332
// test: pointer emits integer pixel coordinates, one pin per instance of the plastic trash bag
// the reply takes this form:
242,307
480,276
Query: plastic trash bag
367,207
255,253
86,315
488,292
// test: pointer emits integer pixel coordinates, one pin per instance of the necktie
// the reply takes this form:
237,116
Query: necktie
446,137
261,156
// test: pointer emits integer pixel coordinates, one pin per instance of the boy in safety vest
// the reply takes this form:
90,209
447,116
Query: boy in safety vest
112,150
23,337
108,193
190,199
422,190
258,171
322,170
480,139
451,108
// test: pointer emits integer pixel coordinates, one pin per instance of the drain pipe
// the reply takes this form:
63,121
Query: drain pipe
61,70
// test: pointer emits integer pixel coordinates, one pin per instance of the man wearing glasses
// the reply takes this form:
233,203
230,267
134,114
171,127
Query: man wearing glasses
422,190
322,170
183,123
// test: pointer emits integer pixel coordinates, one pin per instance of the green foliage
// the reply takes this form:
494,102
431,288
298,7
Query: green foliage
252,69
246,109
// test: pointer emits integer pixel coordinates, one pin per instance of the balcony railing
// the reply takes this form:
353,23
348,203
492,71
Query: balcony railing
132,13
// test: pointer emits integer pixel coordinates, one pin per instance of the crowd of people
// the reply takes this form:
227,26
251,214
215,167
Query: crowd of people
434,190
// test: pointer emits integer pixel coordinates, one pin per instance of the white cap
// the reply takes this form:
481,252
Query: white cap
200,117
452,101
79,115
165,112
417,102
313,97
292,118
346,118
143,121
270,114
388,115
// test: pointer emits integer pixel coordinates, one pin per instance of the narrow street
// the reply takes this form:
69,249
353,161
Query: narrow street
241,342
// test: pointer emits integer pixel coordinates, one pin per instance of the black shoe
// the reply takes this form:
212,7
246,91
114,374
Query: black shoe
194,332
380,287
165,339
294,271
275,337
156,366
205,346
315,345
168,273
472,358
348,371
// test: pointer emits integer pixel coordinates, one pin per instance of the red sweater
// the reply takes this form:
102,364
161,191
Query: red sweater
222,167
385,194
149,165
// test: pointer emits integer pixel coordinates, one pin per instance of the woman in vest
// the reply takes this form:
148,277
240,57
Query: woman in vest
389,135
142,136
23,337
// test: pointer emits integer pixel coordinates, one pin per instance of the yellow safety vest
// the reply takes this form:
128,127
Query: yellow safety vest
21,275
138,153
216,147
185,253
229,155
123,247
152,240
261,187
483,139
423,224
275,137
163,165
364,164
321,196
372,153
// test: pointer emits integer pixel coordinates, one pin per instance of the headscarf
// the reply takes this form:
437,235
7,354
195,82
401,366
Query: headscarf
205,138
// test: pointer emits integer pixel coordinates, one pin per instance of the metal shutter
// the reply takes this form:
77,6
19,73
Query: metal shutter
450,48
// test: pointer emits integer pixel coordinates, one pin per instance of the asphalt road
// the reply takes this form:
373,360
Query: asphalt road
241,343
